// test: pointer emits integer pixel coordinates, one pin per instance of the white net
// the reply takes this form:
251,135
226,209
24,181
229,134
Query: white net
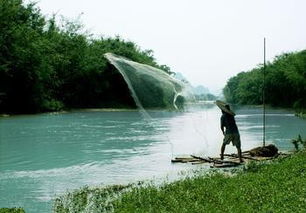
150,87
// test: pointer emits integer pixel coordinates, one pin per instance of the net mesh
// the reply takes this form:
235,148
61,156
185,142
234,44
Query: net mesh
150,87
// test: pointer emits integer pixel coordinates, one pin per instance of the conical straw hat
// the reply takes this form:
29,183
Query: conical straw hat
222,105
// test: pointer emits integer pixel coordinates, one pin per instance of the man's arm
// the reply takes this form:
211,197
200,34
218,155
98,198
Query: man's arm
222,124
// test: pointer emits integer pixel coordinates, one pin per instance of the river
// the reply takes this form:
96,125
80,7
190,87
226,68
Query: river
45,155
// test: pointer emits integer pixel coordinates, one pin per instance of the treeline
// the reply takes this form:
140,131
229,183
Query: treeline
285,83
47,66
205,97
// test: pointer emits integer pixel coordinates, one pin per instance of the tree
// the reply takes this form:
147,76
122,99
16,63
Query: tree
285,83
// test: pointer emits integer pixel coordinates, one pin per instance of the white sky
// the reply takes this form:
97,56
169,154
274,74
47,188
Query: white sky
208,41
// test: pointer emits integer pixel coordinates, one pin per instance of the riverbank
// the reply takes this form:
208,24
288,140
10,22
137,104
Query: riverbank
275,186
301,113
72,110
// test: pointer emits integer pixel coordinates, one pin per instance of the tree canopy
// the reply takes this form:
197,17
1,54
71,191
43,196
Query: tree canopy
285,83
46,66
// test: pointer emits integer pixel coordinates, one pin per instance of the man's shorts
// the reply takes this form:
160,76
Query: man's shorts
234,138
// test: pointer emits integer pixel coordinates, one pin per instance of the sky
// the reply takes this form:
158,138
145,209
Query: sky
208,41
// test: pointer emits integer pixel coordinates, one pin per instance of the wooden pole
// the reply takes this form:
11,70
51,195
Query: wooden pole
263,95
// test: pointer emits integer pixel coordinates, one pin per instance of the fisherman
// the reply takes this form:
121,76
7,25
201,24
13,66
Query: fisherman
231,133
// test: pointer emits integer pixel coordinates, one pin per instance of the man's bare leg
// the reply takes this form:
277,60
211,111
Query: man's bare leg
239,155
222,151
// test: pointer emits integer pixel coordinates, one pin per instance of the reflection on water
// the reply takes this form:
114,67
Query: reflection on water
45,155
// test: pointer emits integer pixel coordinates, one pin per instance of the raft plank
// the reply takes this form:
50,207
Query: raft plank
216,162
224,165
243,156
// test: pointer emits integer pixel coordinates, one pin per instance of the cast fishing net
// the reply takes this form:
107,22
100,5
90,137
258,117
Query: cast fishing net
150,87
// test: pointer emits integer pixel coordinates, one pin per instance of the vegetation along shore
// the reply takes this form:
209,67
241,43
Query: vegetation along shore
50,66
273,186
284,85
47,65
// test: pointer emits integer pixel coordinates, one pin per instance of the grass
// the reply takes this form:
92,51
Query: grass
301,113
11,210
279,186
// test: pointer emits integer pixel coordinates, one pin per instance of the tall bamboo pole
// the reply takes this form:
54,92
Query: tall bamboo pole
263,95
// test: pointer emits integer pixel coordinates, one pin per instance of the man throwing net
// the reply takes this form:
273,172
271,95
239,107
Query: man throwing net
229,129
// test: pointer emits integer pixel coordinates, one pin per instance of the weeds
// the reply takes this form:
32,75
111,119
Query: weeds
11,210
298,141
89,199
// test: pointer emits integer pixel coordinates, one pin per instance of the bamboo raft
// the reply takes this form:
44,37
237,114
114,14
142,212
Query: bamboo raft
231,160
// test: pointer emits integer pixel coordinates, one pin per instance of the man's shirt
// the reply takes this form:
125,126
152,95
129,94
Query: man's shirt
228,121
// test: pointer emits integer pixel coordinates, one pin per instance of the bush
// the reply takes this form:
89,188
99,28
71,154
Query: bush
299,141
11,210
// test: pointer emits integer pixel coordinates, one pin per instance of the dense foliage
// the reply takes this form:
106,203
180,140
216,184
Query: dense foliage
272,187
11,210
47,66
285,83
